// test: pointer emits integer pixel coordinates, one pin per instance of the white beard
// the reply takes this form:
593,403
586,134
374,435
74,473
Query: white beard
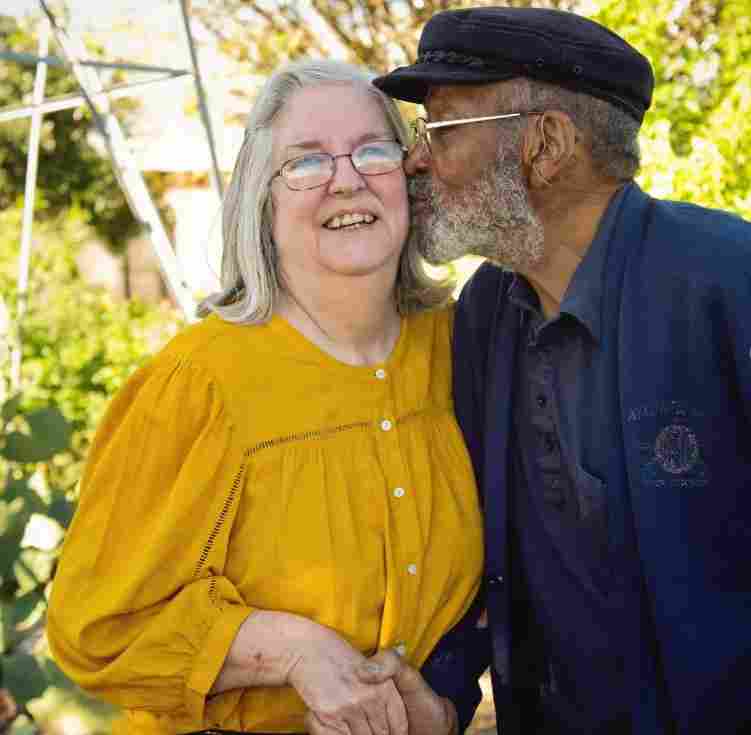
491,217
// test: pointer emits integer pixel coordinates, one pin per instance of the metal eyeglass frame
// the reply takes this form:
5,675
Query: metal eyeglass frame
423,127
280,172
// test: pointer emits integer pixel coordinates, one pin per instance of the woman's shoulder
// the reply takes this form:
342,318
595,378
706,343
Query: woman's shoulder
211,345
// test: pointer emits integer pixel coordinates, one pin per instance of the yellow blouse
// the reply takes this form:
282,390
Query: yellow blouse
245,468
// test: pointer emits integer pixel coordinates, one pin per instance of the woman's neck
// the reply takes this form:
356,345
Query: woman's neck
359,327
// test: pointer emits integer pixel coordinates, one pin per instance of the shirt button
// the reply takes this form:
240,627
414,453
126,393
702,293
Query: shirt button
398,492
386,425
412,569
542,401
401,649
380,374
550,443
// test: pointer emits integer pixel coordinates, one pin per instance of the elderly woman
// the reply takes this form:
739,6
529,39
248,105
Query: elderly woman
283,490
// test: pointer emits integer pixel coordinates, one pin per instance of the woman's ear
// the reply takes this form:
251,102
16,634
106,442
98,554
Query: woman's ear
549,146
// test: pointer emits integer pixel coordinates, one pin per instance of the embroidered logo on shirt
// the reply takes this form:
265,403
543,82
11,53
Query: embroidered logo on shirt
676,449
670,448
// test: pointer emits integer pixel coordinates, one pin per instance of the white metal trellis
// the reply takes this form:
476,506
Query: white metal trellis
98,99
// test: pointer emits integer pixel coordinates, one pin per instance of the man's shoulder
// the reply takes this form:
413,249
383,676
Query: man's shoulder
695,245
701,232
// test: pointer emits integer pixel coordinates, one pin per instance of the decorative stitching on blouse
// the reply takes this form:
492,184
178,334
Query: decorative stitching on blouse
327,433
228,501
307,435
213,598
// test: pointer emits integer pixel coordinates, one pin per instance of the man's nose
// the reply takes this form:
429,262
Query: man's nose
417,160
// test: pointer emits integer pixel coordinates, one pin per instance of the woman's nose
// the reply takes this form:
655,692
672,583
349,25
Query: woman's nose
346,177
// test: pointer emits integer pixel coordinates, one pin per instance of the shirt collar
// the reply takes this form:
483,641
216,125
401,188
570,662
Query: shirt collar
583,297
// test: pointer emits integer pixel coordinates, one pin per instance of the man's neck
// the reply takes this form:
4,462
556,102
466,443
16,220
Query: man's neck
570,225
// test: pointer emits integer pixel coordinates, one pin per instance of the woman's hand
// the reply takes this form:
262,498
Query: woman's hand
325,677
278,649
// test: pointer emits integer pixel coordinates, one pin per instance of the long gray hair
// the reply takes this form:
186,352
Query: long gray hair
250,282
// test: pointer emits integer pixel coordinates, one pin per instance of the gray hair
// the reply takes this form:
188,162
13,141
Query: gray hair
613,134
250,281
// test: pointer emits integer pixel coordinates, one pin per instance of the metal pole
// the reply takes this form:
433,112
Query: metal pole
30,59
126,170
32,164
69,101
216,176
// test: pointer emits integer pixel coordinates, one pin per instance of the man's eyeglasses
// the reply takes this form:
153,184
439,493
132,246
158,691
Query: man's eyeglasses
423,127
317,169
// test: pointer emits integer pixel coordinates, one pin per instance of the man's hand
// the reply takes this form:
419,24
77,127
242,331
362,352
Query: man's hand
427,713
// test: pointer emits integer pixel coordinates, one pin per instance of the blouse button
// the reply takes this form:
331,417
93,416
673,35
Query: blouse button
398,492
400,648
380,374
412,569
386,425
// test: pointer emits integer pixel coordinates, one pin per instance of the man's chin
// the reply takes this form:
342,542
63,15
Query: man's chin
520,249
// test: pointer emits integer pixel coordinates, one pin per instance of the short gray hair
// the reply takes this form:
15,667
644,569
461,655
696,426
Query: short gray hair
250,281
613,134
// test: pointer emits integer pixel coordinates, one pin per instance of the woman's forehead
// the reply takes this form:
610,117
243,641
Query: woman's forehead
330,112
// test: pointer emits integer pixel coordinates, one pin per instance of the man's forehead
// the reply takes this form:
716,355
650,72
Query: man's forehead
449,98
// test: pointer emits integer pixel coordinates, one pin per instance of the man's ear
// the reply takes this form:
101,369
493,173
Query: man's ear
549,146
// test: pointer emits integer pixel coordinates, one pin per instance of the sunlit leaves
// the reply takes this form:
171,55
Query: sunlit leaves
49,433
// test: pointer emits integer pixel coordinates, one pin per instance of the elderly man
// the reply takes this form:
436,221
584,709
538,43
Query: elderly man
603,383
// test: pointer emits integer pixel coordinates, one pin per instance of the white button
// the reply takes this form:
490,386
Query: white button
412,568
380,373
386,425
398,492
400,648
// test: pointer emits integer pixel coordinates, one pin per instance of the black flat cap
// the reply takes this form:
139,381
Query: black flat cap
481,45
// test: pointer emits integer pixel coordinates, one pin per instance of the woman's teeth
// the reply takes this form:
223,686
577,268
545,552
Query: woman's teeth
349,220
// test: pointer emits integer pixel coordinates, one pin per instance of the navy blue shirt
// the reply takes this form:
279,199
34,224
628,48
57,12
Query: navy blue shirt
559,503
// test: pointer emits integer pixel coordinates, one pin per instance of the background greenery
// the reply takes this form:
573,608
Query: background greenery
80,344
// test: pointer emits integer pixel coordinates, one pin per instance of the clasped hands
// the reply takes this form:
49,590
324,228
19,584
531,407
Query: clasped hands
390,698
344,692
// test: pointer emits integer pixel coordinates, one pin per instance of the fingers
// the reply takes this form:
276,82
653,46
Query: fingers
384,713
396,716
315,725
381,713
381,667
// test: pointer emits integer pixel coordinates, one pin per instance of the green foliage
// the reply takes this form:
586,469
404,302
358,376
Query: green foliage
26,439
693,135
72,175
78,347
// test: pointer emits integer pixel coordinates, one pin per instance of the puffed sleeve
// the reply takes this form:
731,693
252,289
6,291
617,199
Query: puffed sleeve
141,614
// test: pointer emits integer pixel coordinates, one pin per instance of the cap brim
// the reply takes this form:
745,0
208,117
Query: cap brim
411,83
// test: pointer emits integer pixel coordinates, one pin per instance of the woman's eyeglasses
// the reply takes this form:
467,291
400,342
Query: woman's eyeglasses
317,169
